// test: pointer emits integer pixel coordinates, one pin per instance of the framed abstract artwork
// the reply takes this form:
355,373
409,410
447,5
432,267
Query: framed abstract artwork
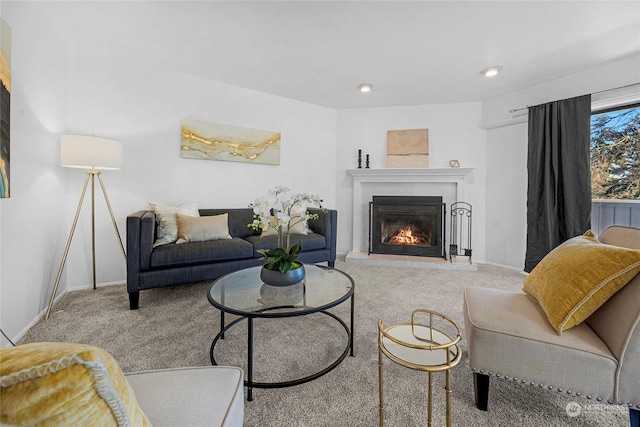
408,148
5,107
216,141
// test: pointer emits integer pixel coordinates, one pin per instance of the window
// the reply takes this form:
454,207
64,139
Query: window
615,153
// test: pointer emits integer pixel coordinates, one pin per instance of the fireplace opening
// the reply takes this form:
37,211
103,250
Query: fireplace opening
407,225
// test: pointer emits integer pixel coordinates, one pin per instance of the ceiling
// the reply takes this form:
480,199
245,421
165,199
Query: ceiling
417,52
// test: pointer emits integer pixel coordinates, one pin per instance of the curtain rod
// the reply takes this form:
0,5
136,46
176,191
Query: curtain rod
514,110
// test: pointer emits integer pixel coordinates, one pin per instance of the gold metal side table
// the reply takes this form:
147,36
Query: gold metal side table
427,346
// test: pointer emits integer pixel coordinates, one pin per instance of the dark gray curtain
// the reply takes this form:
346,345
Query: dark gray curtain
558,164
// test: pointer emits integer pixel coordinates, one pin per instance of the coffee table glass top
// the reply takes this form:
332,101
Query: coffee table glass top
243,293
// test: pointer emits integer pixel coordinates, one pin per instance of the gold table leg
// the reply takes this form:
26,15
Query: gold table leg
381,402
434,340
429,405
448,391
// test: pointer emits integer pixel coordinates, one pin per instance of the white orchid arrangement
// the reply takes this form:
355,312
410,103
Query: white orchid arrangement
280,211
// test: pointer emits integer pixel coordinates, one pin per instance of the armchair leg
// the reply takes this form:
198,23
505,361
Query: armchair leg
481,389
634,417
134,299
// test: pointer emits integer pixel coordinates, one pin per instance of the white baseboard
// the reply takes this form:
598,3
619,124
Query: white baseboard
90,286
41,315
508,267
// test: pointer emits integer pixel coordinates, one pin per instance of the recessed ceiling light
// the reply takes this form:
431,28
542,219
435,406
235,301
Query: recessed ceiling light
365,87
491,71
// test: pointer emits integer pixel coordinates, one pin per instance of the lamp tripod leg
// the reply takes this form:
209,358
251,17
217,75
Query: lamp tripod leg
113,219
93,228
66,249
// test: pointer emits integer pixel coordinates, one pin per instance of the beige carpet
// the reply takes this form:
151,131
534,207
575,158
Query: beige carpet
175,326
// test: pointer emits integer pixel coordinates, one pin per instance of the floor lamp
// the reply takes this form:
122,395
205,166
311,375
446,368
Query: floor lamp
94,154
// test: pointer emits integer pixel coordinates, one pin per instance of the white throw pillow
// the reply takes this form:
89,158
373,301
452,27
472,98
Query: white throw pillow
200,229
166,219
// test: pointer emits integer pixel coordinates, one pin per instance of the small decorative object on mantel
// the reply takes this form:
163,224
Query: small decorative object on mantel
359,159
408,148
367,163
454,163
283,213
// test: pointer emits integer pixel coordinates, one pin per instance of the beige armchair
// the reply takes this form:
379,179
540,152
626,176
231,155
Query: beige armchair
71,384
509,337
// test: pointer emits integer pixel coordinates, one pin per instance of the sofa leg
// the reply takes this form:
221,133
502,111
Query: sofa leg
134,299
634,417
481,389
331,264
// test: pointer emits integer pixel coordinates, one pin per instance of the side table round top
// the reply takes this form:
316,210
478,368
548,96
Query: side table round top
422,346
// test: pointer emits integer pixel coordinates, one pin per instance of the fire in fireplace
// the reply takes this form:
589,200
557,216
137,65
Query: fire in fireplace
407,225
406,236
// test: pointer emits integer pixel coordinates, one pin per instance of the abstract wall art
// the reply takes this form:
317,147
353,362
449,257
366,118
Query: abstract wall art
408,148
5,106
215,141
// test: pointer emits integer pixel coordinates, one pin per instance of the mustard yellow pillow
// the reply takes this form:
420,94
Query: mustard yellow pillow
64,384
577,277
202,228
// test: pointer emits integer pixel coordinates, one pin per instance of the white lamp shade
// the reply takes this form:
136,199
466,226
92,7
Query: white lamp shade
88,152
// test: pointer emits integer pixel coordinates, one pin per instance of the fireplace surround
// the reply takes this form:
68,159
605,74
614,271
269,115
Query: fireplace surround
448,182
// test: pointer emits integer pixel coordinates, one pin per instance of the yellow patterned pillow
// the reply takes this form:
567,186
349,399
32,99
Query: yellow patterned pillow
578,277
64,384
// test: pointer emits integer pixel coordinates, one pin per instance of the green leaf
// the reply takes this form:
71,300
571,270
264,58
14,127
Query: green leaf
295,250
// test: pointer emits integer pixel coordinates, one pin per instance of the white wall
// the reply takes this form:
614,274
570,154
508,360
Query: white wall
454,133
143,107
507,195
31,220
57,92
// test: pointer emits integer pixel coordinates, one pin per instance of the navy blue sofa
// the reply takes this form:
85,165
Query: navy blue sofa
174,264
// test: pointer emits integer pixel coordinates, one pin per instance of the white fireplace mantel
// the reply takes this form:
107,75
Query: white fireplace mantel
421,175
448,182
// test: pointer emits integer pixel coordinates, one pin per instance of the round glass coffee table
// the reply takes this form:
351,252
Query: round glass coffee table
242,293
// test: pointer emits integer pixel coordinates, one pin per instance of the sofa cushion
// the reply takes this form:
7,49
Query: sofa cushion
310,242
173,255
208,395
65,384
238,220
577,277
201,229
167,231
